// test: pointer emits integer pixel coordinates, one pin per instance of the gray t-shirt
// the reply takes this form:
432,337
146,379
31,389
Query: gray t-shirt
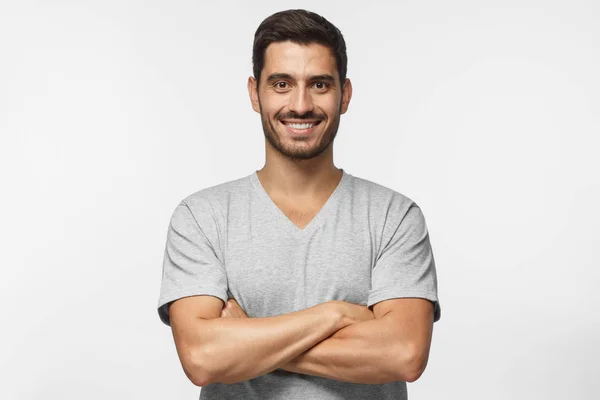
367,244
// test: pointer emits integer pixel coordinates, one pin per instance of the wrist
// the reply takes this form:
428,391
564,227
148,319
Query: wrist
336,314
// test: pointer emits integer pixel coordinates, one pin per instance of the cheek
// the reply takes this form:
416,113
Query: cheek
329,105
272,103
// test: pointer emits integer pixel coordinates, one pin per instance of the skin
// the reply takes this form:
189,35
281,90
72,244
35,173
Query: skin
393,346
300,83
230,350
233,310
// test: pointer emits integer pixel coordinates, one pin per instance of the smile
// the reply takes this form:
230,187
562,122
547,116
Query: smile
300,128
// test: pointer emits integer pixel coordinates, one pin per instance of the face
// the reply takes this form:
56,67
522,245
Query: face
300,99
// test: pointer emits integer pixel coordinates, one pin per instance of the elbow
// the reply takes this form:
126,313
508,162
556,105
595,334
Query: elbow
412,375
412,364
200,379
197,367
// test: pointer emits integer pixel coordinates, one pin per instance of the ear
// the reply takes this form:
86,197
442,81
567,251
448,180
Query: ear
253,93
346,95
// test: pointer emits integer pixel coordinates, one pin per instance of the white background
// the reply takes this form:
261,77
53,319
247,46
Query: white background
486,113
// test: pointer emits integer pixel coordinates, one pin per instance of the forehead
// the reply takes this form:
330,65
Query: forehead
299,59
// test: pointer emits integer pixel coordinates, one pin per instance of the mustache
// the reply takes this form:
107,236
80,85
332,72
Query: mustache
308,115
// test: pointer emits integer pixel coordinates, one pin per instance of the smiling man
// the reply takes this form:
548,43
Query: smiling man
304,102
299,280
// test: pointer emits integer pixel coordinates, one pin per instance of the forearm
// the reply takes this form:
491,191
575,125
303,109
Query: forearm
238,349
366,352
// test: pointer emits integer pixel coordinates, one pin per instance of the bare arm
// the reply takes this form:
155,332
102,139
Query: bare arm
229,350
392,347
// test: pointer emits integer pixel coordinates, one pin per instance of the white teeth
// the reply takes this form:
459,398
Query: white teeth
301,126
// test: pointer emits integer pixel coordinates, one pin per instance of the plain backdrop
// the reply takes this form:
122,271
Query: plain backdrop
486,113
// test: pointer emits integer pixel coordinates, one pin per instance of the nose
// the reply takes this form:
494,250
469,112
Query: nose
301,101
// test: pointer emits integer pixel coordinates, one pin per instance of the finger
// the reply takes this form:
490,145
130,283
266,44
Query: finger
236,309
226,311
233,306
233,302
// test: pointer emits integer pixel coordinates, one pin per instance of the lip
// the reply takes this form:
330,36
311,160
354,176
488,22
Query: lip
300,132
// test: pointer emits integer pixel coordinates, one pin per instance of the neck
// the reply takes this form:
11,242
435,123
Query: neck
299,179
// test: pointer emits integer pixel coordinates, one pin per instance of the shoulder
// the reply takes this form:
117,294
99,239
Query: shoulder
209,206
217,196
378,196
392,211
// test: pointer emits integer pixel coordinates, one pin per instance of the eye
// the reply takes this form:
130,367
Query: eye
281,85
321,85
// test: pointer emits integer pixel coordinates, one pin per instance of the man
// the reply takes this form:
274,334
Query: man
299,281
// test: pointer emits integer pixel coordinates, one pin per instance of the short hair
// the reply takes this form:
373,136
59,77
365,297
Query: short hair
302,27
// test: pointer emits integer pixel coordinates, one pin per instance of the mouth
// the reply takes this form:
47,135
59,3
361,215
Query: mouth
303,128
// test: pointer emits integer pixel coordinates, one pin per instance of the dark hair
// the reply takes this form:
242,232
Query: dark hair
298,26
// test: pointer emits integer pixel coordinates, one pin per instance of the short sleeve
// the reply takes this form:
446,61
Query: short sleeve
405,267
190,264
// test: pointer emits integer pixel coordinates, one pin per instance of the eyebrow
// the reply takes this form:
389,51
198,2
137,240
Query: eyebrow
322,77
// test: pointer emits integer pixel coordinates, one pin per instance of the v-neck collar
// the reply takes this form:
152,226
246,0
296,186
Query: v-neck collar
317,219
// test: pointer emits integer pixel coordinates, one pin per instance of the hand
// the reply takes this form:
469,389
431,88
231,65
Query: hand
353,313
233,310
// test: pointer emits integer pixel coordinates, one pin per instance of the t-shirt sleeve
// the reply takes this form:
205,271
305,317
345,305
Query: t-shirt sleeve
190,264
405,267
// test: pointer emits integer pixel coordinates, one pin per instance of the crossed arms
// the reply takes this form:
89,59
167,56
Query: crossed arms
336,340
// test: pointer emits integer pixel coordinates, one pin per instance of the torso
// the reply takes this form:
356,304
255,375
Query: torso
281,257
